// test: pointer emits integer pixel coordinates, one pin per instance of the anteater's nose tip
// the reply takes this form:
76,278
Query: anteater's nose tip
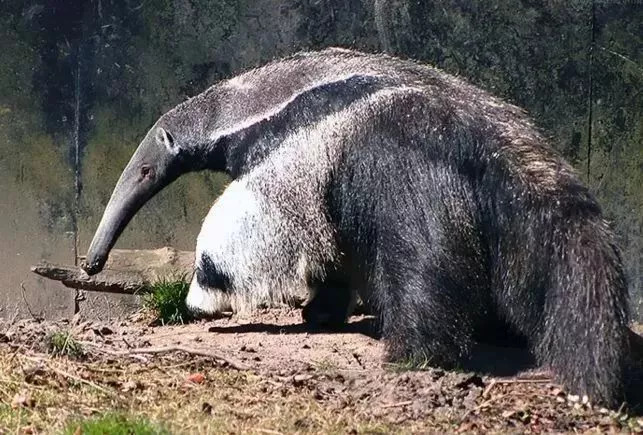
92,267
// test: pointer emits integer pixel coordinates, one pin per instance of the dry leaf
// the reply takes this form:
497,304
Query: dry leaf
196,378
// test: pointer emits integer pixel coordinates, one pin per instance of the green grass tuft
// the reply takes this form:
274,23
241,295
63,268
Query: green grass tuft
61,343
114,424
166,300
409,365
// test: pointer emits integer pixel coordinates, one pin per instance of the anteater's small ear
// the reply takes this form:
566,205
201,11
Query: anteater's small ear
165,138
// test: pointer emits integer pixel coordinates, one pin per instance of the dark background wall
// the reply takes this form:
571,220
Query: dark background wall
81,81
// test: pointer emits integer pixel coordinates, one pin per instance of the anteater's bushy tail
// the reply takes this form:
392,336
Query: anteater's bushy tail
584,337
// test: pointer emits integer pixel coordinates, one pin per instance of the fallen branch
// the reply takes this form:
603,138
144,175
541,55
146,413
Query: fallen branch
110,281
127,271
398,404
169,349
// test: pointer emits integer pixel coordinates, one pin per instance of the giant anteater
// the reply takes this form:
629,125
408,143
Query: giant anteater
440,205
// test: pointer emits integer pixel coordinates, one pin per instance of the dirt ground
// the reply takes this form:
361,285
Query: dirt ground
269,374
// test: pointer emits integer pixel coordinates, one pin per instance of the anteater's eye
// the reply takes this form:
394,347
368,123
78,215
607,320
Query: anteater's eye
146,171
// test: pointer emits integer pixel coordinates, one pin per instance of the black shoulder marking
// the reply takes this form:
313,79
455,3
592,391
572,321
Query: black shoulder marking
249,147
208,275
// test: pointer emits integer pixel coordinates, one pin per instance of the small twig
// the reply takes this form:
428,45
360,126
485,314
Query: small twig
356,356
398,404
523,381
73,377
623,57
487,390
621,408
101,370
24,298
495,382
268,431
15,352
83,381
67,337
129,346
273,383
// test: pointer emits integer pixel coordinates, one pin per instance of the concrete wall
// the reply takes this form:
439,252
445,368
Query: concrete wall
80,85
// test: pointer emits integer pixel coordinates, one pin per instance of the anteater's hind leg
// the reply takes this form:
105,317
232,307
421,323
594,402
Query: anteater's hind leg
430,289
425,317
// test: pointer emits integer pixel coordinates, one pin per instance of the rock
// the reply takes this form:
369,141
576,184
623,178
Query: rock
299,380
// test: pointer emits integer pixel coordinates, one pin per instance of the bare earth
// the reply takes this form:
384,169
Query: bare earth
270,374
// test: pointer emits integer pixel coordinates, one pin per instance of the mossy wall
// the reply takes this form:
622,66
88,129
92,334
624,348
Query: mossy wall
81,82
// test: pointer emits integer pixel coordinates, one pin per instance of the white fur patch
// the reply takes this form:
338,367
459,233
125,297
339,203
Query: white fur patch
206,300
243,237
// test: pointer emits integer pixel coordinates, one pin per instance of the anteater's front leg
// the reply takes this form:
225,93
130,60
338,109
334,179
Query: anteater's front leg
331,301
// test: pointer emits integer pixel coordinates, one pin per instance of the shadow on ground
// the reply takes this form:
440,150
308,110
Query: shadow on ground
365,326
495,360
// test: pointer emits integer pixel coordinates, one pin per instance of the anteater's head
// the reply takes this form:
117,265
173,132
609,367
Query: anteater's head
198,135
173,146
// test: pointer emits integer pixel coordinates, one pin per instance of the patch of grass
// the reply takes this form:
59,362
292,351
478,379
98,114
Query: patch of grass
62,343
325,366
6,414
166,300
417,364
114,424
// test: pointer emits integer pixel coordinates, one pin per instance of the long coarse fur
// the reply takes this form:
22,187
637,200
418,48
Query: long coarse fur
440,204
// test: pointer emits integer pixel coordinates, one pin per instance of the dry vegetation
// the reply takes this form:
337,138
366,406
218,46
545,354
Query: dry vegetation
82,377
179,395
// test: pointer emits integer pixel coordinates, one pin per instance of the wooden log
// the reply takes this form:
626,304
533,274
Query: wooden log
109,281
126,272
